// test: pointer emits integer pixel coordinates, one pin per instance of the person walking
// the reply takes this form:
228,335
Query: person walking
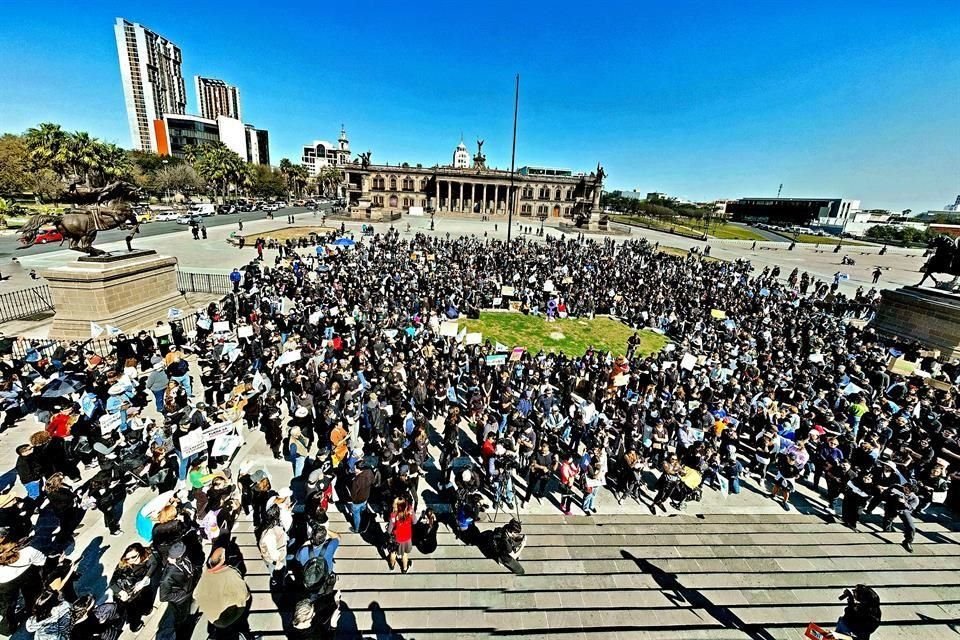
130,584
876,275
567,472
900,501
299,450
224,598
235,278
360,485
592,484
400,530
176,589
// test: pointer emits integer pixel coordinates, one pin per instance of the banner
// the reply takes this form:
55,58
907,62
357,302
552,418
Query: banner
192,443
113,331
214,431
96,330
516,354
496,360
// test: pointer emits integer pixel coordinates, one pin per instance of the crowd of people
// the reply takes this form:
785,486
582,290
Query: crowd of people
352,362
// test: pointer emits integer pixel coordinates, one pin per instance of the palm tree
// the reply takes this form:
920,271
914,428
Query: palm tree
286,170
329,178
46,147
299,177
114,164
81,154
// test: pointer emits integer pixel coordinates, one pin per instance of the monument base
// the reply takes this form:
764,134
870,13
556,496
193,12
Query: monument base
929,316
129,292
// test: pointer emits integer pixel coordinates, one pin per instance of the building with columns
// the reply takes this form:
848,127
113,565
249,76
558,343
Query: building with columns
540,192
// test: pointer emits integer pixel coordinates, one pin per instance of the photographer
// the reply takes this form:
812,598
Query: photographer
508,541
542,465
500,468
862,615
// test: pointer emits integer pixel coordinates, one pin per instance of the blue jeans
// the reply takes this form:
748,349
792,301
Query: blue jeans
184,381
358,509
158,396
298,463
589,499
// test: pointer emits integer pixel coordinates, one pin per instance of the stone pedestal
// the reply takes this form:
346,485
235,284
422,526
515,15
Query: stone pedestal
929,316
129,291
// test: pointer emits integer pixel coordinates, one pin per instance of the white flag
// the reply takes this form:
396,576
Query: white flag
113,331
96,330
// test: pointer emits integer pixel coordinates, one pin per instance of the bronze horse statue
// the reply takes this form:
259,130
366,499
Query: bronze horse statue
945,259
109,211
79,227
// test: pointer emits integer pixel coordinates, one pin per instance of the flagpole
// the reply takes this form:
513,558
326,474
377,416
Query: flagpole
513,158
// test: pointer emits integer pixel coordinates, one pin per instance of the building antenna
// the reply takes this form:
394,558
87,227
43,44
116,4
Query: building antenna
513,158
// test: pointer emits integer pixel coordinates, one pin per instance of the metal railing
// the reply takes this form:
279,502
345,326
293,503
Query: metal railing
25,303
198,282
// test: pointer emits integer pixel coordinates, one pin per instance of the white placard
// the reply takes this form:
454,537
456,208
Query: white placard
288,357
314,317
193,442
161,331
688,362
109,422
245,331
224,446
333,311
221,327
449,329
506,291
473,338
815,357
214,431
96,330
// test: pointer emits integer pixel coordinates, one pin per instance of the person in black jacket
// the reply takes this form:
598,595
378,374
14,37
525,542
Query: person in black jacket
862,615
130,584
65,506
176,589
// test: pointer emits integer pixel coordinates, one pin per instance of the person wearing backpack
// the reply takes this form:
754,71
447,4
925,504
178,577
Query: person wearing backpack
316,561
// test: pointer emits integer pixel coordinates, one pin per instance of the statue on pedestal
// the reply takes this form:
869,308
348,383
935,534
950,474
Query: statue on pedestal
479,160
98,209
945,259
365,159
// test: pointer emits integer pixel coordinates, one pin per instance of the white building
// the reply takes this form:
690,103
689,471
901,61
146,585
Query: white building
217,98
320,153
152,76
176,133
461,159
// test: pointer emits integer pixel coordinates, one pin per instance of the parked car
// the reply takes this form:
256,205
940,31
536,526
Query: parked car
189,219
166,216
48,235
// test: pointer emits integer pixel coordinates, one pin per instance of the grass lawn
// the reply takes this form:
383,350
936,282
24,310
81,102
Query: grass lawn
571,336
734,232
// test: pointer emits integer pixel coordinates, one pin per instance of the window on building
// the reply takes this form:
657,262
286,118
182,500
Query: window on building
393,184
569,194
556,196
423,185
407,184
378,183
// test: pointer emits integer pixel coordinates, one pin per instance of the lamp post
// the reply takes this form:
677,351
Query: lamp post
542,217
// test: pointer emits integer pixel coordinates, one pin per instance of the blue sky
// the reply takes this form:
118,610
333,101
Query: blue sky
700,99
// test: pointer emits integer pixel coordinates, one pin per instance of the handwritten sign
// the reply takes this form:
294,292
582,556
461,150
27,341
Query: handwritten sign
221,327
688,361
449,329
214,431
245,331
516,354
224,446
473,338
506,291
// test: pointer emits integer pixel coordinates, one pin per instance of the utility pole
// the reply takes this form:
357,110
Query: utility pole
513,158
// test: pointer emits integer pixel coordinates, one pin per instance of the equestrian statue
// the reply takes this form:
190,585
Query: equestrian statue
945,259
103,208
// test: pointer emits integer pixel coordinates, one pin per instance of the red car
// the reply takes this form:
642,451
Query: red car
48,235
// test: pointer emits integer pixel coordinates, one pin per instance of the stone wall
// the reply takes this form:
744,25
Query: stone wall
928,316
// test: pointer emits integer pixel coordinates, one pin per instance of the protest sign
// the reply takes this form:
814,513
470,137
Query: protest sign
901,366
567,280
192,443
499,347
496,360
245,331
288,357
473,338
688,361
516,354
96,330
816,632
851,389
621,380
174,314
719,314
109,422
216,430
462,334
816,358
514,305
225,445
161,331
204,323
333,311
497,302
113,331
939,385
548,286
449,329
221,327
506,291
314,317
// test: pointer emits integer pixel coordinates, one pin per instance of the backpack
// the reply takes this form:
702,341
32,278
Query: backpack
317,575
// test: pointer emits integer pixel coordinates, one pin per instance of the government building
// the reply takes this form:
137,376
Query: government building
466,187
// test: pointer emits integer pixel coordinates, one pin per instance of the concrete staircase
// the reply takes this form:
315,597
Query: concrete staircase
639,576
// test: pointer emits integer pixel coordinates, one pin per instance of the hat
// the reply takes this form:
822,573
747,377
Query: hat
177,550
117,389
284,493
258,476
404,469
301,412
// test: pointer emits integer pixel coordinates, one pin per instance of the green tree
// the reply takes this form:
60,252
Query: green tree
14,165
174,178
267,182
329,179
46,185
219,167
48,148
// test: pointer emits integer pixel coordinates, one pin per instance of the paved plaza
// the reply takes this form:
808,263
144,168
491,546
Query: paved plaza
726,567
